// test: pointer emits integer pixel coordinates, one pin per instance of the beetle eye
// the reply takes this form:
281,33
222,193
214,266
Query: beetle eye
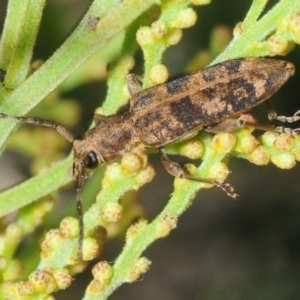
91,160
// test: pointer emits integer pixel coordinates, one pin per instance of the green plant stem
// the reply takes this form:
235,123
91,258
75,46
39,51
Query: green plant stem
153,52
20,31
36,187
254,12
241,45
116,97
11,31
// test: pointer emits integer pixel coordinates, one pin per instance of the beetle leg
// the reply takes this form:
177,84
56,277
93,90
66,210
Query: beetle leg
272,115
133,82
230,125
176,170
291,131
226,126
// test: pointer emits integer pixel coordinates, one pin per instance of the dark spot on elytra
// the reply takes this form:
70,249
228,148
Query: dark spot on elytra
240,101
208,74
233,66
186,112
175,86
149,118
209,93
271,84
144,99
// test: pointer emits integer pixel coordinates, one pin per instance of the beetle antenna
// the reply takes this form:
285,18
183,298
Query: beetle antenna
80,182
62,130
69,136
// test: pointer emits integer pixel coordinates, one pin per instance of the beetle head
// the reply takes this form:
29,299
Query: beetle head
86,159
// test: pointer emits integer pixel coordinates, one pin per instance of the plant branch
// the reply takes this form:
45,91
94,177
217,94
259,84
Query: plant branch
240,46
38,186
83,42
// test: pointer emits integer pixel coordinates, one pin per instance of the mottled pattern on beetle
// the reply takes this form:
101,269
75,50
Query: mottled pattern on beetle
157,94
113,137
166,113
220,70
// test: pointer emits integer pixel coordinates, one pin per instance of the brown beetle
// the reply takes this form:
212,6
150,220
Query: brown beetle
175,111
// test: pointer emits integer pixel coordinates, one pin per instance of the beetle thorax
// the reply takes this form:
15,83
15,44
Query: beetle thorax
111,138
